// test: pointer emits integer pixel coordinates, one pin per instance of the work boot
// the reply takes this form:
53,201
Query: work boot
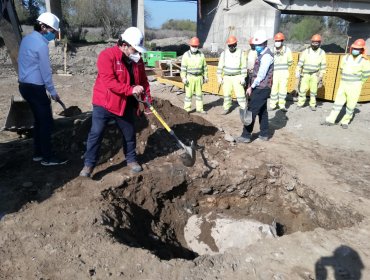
225,112
283,109
313,108
326,123
202,112
86,171
263,138
344,126
242,139
299,107
135,167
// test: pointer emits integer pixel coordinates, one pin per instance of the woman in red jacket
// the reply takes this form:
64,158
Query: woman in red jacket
121,77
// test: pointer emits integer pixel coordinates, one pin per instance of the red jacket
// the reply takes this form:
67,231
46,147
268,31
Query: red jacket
112,85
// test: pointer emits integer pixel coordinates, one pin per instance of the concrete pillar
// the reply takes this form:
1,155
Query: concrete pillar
137,12
230,18
357,31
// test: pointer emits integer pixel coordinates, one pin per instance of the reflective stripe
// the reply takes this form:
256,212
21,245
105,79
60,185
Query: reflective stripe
349,111
187,99
198,97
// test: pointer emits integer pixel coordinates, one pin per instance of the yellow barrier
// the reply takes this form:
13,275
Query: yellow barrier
328,92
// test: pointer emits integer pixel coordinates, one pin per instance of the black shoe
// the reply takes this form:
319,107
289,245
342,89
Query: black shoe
284,109
263,138
53,162
86,171
242,139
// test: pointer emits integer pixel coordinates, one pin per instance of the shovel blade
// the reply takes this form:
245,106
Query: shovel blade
188,155
245,116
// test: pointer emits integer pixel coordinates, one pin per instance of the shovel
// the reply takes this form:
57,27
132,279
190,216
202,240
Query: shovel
188,155
69,112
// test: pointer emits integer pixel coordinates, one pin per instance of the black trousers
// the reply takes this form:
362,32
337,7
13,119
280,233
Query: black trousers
258,106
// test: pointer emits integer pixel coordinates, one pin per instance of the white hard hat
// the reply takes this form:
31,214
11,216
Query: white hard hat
135,38
259,37
50,20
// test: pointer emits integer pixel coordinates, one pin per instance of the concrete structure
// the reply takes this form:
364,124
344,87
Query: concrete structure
137,13
217,19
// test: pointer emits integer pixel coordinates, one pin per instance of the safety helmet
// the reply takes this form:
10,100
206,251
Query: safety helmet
135,38
194,42
259,37
250,41
316,38
358,44
231,40
50,20
279,37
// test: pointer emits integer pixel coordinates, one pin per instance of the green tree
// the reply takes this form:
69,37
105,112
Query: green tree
180,25
304,29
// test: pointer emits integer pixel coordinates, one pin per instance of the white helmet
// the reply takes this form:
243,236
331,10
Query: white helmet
259,37
50,20
135,38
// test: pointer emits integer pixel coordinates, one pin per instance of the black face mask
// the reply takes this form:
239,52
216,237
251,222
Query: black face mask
232,48
315,47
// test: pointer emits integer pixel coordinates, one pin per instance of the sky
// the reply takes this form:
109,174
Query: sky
161,11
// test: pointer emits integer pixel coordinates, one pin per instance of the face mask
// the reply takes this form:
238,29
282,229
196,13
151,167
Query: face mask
50,36
259,49
193,49
278,44
232,48
355,52
135,57
314,47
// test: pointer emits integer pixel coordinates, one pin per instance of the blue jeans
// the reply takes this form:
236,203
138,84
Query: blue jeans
39,102
258,107
126,123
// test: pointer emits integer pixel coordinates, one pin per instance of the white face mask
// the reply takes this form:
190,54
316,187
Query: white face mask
278,44
135,57
193,49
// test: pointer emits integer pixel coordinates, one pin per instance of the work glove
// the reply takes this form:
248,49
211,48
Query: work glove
242,81
185,81
205,80
297,74
220,80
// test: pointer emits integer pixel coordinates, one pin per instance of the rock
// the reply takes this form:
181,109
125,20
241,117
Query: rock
229,138
206,190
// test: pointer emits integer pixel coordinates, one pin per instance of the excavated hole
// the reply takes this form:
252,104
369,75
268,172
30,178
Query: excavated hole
151,213
177,212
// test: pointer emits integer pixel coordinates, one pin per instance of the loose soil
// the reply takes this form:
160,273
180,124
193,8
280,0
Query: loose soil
312,181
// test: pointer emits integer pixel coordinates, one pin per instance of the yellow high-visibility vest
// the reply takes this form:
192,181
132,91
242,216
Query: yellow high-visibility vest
193,64
312,61
231,64
354,69
283,58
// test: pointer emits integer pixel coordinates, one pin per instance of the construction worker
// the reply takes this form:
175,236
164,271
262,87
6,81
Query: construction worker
193,74
35,78
120,81
355,70
310,70
232,73
260,89
283,59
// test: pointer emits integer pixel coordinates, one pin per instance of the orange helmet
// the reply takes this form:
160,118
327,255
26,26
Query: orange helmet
231,40
250,41
316,38
194,42
279,37
359,44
